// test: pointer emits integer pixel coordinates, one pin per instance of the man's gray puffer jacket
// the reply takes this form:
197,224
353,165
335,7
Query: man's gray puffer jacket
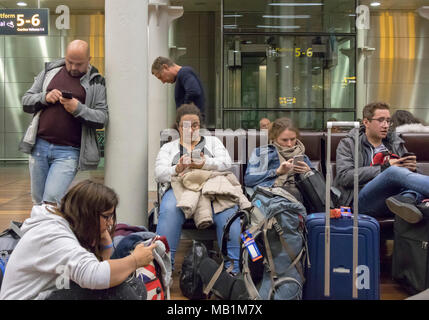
345,161
93,114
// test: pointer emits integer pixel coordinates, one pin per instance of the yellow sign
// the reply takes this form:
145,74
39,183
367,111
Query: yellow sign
287,100
24,21
348,80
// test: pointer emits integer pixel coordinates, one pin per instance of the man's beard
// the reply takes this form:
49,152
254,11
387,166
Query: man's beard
76,74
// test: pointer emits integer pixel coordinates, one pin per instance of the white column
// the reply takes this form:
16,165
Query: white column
159,19
126,47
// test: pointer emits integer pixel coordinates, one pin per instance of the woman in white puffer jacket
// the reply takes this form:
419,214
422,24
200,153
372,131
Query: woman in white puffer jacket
404,121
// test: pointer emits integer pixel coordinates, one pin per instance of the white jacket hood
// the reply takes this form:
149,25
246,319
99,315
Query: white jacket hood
39,214
412,127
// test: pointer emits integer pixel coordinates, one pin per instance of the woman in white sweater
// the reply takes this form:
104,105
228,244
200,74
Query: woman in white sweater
72,242
195,152
404,121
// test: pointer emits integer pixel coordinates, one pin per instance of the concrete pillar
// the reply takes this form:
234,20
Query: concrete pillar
361,86
159,19
126,47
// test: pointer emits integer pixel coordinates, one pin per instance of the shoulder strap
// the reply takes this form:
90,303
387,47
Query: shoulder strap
225,235
16,227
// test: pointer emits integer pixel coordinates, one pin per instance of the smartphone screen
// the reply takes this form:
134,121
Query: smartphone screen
296,159
67,94
196,155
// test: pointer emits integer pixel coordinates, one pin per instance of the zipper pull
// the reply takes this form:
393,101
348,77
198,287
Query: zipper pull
424,245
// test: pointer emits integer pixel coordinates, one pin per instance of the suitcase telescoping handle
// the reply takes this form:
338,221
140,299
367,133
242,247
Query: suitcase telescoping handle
356,125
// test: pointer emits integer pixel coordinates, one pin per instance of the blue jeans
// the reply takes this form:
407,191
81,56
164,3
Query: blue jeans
388,183
52,169
171,219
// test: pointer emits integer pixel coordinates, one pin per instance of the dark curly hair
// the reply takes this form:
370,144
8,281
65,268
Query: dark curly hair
401,117
186,109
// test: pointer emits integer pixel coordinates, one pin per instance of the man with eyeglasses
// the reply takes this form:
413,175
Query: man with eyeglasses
387,175
189,88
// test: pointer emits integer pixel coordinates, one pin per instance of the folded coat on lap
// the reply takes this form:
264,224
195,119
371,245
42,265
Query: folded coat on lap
197,190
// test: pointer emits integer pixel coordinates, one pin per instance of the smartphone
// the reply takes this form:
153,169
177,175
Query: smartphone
67,94
196,155
406,154
298,158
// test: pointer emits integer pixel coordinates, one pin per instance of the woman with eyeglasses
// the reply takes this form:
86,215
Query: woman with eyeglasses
69,247
192,151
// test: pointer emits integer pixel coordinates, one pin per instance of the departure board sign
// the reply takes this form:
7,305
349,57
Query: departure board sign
24,22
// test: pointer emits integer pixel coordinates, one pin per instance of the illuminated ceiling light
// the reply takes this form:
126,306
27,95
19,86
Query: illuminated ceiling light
21,4
278,27
230,26
304,16
295,4
232,15
375,4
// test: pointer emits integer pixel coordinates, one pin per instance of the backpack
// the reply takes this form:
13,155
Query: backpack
273,247
156,275
190,282
149,275
8,240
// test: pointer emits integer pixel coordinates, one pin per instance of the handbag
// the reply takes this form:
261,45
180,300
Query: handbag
410,258
313,190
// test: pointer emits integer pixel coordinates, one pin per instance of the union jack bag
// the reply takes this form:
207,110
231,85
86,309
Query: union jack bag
148,274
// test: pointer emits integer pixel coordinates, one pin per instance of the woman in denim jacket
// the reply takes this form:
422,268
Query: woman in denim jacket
272,165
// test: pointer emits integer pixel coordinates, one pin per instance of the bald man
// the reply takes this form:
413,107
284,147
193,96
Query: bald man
68,101
264,123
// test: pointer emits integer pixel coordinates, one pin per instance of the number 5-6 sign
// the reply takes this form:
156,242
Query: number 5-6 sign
24,21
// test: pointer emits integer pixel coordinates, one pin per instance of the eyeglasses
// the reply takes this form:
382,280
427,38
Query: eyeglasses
382,120
109,217
194,125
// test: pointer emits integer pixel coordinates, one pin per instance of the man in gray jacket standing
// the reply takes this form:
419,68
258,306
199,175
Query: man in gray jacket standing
387,175
68,100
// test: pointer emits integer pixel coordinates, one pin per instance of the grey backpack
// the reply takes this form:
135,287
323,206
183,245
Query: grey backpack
8,241
272,267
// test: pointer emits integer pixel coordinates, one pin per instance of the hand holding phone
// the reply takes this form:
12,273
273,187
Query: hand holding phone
407,154
298,158
196,155
67,94
299,165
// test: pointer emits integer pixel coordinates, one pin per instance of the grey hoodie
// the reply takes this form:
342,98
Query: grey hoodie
93,114
345,161
47,248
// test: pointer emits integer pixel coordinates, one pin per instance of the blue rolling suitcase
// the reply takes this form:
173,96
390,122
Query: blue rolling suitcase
352,243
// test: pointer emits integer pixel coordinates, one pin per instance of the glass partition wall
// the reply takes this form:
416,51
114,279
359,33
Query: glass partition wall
288,58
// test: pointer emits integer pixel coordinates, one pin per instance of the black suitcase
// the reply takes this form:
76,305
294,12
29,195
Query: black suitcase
410,260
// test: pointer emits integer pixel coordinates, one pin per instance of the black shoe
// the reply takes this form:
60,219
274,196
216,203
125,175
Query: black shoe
405,208
424,207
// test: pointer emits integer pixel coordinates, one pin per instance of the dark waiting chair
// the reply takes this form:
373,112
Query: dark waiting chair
417,143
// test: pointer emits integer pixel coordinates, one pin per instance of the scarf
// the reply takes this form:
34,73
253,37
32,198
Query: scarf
287,180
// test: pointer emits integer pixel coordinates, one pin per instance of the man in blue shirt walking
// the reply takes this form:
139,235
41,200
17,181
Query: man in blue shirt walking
189,88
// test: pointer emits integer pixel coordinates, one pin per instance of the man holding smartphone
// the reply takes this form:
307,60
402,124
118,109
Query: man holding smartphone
68,100
387,172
